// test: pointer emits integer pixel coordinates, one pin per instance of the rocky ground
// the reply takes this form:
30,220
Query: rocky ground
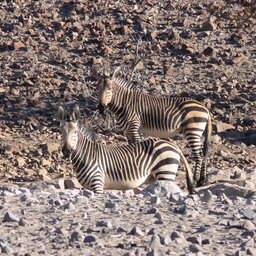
43,219
202,49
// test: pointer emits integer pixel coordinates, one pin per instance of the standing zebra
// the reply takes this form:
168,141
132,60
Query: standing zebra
162,117
125,167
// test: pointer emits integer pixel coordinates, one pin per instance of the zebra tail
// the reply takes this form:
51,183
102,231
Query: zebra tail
189,176
207,136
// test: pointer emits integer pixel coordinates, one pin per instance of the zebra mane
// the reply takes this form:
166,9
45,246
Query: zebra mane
120,80
87,133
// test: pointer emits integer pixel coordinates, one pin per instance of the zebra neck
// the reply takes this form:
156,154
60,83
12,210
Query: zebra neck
123,82
84,152
122,98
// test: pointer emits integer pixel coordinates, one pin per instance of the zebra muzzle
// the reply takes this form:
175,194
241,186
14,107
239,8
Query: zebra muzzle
66,151
101,109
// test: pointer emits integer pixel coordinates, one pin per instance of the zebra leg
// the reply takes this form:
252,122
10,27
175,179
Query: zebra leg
133,133
202,179
97,185
196,146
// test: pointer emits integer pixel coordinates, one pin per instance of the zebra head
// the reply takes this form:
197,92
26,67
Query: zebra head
106,93
106,89
69,128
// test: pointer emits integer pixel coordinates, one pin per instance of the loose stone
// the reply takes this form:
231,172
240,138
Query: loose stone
155,242
136,231
90,239
9,217
104,223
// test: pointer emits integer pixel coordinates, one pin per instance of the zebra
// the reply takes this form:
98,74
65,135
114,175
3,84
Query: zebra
99,167
163,117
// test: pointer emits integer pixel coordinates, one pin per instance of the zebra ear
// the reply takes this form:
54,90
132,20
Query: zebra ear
76,114
61,113
108,84
116,72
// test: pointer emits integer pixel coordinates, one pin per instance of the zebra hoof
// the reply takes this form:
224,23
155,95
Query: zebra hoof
201,183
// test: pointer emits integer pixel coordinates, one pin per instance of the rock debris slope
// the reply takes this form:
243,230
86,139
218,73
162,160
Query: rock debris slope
202,49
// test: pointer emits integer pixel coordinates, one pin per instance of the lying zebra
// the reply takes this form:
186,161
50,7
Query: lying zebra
100,167
163,117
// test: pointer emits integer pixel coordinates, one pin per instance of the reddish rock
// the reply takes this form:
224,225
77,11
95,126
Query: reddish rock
222,127
239,60
210,24
19,45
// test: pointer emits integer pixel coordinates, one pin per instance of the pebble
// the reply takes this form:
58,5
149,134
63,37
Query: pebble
76,236
248,243
24,198
251,251
155,242
248,234
24,190
162,189
180,209
158,215
224,199
189,202
235,224
121,230
206,196
136,231
111,205
55,202
69,206
23,211
249,226
152,231
248,213
206,241
216,212
113,195
176,198
176,234
195,248
23,222
20,162
7,249
152,210
153,253
10,217
104,223
90,239
72,183
165,239
209,25
155,200
86,193
61,231
194,239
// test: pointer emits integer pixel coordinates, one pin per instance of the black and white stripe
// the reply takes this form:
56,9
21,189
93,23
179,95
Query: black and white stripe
163,117
100,167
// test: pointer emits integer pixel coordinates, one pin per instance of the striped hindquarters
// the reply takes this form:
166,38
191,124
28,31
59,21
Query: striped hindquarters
193,117
165,161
